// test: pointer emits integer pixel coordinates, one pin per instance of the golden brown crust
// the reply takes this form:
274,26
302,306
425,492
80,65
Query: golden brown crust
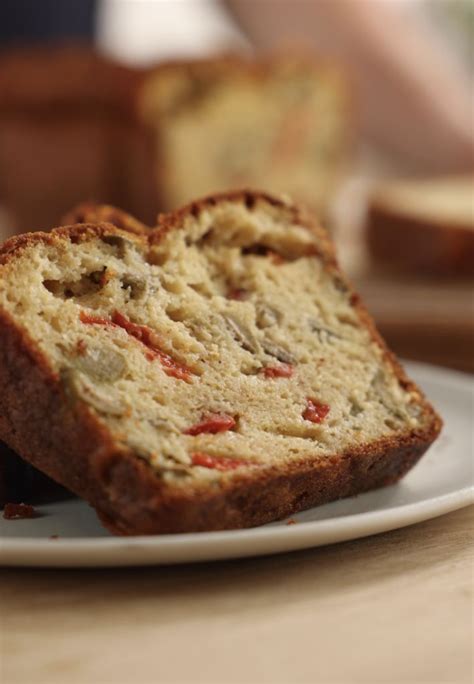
272,495
175,220
411,244
38,420
77,233
92,212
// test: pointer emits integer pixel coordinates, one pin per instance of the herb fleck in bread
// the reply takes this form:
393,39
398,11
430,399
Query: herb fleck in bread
215,373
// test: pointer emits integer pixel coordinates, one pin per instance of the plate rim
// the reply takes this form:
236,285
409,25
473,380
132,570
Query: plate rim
276,540
304,534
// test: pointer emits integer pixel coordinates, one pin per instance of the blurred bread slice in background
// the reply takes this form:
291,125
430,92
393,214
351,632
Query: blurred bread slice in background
408,246
76,126
423,226
280,123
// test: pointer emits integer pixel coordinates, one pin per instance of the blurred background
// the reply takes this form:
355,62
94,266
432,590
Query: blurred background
362,110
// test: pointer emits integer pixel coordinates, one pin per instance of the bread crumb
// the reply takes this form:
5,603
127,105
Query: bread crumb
17,511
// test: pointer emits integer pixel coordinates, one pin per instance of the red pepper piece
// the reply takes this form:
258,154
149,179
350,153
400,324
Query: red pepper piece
311,250
140,332
170,366
238,294
90,319
16,511
213,423
275,258
217,462
284,370
81,347
315,411
147,337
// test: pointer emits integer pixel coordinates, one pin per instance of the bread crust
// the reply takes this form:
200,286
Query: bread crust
411,244
69,443
93,212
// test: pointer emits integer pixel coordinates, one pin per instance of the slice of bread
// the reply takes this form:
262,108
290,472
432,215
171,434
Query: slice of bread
424,225
279,124
216,373
18,480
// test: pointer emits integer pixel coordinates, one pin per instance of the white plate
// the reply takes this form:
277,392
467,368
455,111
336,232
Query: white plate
441,482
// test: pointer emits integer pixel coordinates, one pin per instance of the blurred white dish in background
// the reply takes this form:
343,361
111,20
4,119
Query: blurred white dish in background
144,31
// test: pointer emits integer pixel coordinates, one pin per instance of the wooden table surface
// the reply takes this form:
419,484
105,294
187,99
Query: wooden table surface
396,607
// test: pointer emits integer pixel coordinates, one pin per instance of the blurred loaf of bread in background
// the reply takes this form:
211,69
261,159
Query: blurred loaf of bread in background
77,126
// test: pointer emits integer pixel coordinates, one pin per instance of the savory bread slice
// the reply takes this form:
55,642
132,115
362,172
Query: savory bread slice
18,480
215,373
281,124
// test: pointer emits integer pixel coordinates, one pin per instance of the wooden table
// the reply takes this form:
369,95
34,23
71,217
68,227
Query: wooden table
396,608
